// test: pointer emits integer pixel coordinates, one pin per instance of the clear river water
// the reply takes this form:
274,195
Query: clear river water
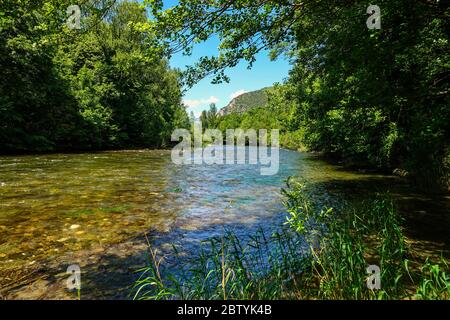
97,209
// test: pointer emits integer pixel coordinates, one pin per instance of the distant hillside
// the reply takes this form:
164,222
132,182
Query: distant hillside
245,102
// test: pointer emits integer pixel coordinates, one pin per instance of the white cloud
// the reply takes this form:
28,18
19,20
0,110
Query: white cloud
213,99
237,93
193,103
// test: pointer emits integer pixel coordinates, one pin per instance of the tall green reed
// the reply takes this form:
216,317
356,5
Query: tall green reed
319,253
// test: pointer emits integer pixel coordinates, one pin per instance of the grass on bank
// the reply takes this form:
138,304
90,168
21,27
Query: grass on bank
319,253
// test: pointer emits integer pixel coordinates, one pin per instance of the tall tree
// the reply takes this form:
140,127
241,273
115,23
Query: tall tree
379,96
104,86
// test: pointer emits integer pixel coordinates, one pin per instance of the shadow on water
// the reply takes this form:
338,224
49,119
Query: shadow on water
109,272
426,217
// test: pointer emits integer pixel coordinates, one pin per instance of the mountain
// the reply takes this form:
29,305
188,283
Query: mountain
245,102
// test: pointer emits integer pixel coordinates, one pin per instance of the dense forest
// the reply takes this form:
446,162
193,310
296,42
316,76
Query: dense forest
102,86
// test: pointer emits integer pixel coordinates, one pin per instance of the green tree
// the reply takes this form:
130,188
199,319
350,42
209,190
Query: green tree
378,97
208,118
104,86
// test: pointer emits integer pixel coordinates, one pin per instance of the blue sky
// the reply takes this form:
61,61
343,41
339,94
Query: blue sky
264,73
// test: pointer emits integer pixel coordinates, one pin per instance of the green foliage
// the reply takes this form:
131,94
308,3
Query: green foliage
372,97
320,253
209,118
343,245
225,268
104,86
378,97
436,281
278,112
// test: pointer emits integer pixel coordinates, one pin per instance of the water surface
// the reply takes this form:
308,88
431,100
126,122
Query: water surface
98,210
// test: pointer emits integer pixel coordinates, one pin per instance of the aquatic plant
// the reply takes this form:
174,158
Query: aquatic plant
319,253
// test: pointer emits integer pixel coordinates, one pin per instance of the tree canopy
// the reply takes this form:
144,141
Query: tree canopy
103,86
379,96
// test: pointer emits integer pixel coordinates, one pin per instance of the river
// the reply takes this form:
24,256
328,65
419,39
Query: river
96,210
